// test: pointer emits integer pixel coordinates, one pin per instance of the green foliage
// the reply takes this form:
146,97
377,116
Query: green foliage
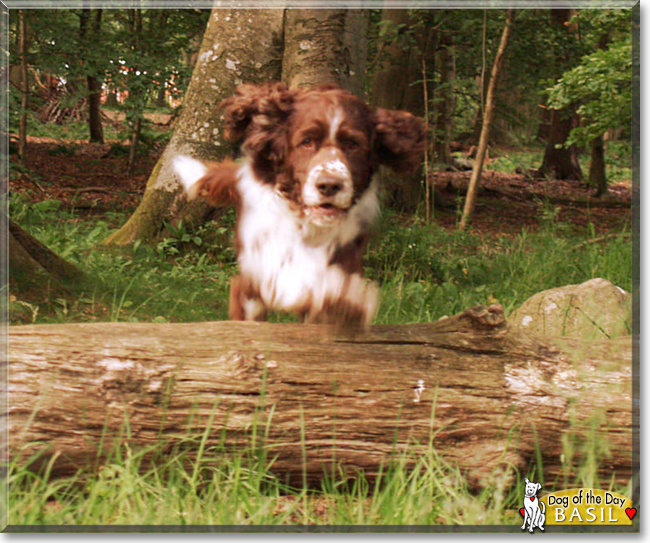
602,86
424,273
136,54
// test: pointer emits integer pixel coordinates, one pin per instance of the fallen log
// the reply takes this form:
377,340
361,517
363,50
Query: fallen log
486,395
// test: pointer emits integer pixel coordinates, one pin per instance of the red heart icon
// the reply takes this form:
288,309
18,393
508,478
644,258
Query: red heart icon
631,512
532,499
523,513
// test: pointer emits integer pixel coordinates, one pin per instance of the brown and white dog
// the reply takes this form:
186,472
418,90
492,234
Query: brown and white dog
305,197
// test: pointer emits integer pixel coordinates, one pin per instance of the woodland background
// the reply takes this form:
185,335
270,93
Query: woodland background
101,100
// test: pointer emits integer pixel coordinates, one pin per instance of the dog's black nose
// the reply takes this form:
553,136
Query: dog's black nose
329,186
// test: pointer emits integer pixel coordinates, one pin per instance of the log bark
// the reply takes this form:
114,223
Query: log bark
486,395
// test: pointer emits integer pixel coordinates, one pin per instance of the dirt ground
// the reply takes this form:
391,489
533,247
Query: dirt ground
91,178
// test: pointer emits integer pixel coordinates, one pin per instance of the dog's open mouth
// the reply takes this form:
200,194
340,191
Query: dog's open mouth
324,212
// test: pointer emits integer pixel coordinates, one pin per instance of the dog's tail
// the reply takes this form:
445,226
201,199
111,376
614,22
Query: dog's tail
216,182
543,507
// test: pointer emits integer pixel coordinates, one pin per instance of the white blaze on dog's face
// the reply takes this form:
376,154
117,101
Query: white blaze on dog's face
330,155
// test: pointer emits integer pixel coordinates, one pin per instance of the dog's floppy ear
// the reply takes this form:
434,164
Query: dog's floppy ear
257,115
539,487
526,479
400,139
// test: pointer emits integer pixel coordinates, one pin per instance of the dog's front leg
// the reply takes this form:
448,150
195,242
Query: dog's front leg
350,301
245,303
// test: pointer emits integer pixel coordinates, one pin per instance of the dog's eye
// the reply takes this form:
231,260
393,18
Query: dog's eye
307,142
350,144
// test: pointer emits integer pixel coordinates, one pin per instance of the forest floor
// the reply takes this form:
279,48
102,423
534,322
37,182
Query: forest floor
91,179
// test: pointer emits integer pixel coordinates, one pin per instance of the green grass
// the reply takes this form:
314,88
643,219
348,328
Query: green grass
215,485
618,161
423,272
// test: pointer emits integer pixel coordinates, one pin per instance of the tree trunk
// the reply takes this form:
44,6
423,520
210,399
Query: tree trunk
161,97
597,170
325,46
133,147
487,120
597,176
239,45
391,89
93,82
559,161
111,98
391,86
35,272
486,396
24,76
444,100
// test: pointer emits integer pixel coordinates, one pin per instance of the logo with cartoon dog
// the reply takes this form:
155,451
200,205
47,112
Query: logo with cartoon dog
533,511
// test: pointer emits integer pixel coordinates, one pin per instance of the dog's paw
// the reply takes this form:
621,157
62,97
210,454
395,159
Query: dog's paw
364,296
353,307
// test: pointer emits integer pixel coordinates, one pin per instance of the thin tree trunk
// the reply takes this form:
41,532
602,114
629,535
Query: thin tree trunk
238,45
445,101
161,98
427,184
597,175
133,146
93,82
111,98
487,120
488,397
137,104
597,169
24,76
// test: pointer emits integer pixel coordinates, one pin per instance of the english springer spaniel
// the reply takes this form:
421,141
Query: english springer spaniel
305,197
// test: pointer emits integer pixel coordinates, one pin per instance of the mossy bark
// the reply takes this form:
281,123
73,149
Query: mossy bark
35,272
325,46
239,45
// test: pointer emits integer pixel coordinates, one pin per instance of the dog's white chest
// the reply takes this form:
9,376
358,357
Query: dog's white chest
274,252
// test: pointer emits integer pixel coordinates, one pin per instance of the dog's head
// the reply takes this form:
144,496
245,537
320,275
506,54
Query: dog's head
319,148
531,488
